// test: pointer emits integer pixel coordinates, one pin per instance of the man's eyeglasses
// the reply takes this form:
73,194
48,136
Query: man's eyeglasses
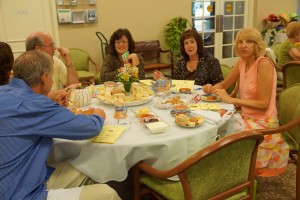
49,46
121,42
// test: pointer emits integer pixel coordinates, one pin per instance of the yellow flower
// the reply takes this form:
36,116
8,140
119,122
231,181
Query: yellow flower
128,74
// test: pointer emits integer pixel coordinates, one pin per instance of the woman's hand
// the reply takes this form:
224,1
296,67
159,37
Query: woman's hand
223,95
207,88
121,69
133,59
157,75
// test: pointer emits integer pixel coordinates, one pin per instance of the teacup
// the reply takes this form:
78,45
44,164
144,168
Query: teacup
181,109
162,85
80,97
120,112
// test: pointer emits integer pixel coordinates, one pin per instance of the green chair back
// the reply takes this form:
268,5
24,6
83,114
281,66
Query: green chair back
236,164
80,58
276,49
226,71
291,73
218,169
289,109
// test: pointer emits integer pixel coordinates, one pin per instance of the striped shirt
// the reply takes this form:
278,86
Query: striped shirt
28,124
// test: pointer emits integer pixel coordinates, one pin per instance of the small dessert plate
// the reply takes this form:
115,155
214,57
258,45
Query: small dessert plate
210,98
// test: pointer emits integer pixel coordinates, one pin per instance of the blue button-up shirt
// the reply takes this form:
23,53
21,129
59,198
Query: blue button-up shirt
28,124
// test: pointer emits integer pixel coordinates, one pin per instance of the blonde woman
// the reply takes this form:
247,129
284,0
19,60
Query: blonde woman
288,50
257,85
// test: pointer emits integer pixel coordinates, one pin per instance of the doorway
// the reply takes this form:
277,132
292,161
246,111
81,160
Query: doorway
20,18
218,21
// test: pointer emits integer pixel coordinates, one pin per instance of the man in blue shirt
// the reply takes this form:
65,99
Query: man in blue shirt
29,122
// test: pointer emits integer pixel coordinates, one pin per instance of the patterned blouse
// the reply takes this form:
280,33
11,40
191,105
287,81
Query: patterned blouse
208,70
111,65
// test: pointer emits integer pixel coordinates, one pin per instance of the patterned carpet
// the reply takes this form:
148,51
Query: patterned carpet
281,187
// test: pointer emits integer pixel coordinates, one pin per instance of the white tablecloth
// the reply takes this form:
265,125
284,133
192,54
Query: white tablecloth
105,162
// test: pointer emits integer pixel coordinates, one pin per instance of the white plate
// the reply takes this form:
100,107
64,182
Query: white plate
204,98
190,126
130,103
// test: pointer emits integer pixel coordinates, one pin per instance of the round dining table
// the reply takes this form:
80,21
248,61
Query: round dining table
104,162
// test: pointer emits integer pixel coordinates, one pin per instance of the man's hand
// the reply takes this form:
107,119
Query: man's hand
100,112
65,54
62,99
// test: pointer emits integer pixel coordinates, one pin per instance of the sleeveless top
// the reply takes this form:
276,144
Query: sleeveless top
249,90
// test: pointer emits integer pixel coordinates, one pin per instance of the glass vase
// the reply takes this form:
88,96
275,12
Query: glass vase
127,87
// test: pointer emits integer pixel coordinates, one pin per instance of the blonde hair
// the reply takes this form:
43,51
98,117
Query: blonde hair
293,29
254,35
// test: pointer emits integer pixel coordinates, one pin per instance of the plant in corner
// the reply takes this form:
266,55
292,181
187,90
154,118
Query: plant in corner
172,32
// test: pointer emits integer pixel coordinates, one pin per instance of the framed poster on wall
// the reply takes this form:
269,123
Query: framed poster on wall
78,17
92,1
64,15
91,15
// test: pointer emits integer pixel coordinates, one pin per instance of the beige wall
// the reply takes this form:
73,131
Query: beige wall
262,8
145,20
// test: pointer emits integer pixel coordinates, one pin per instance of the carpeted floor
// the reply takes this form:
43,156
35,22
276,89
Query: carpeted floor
282,187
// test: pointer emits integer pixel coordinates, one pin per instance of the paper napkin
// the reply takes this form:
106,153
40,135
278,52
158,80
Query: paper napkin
208,114
109,134
147,81
205,106
183,84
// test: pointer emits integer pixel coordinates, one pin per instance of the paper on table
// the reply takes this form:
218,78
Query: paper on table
183,84
109,134
147,81
205,106
210,115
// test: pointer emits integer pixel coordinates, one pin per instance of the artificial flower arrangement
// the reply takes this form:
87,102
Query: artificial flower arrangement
272,32
283,19
127,75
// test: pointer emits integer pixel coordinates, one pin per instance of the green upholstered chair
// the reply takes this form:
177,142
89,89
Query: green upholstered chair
81,60
224,169
226,71
276,49
270,53
291,73
289,118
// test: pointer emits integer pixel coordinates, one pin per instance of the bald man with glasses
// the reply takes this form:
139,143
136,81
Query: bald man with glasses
65,75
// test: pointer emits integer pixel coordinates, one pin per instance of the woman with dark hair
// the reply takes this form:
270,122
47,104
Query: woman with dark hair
195,63
6,63
121,48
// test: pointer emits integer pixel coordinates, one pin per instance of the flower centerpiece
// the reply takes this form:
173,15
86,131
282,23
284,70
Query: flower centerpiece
127,75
